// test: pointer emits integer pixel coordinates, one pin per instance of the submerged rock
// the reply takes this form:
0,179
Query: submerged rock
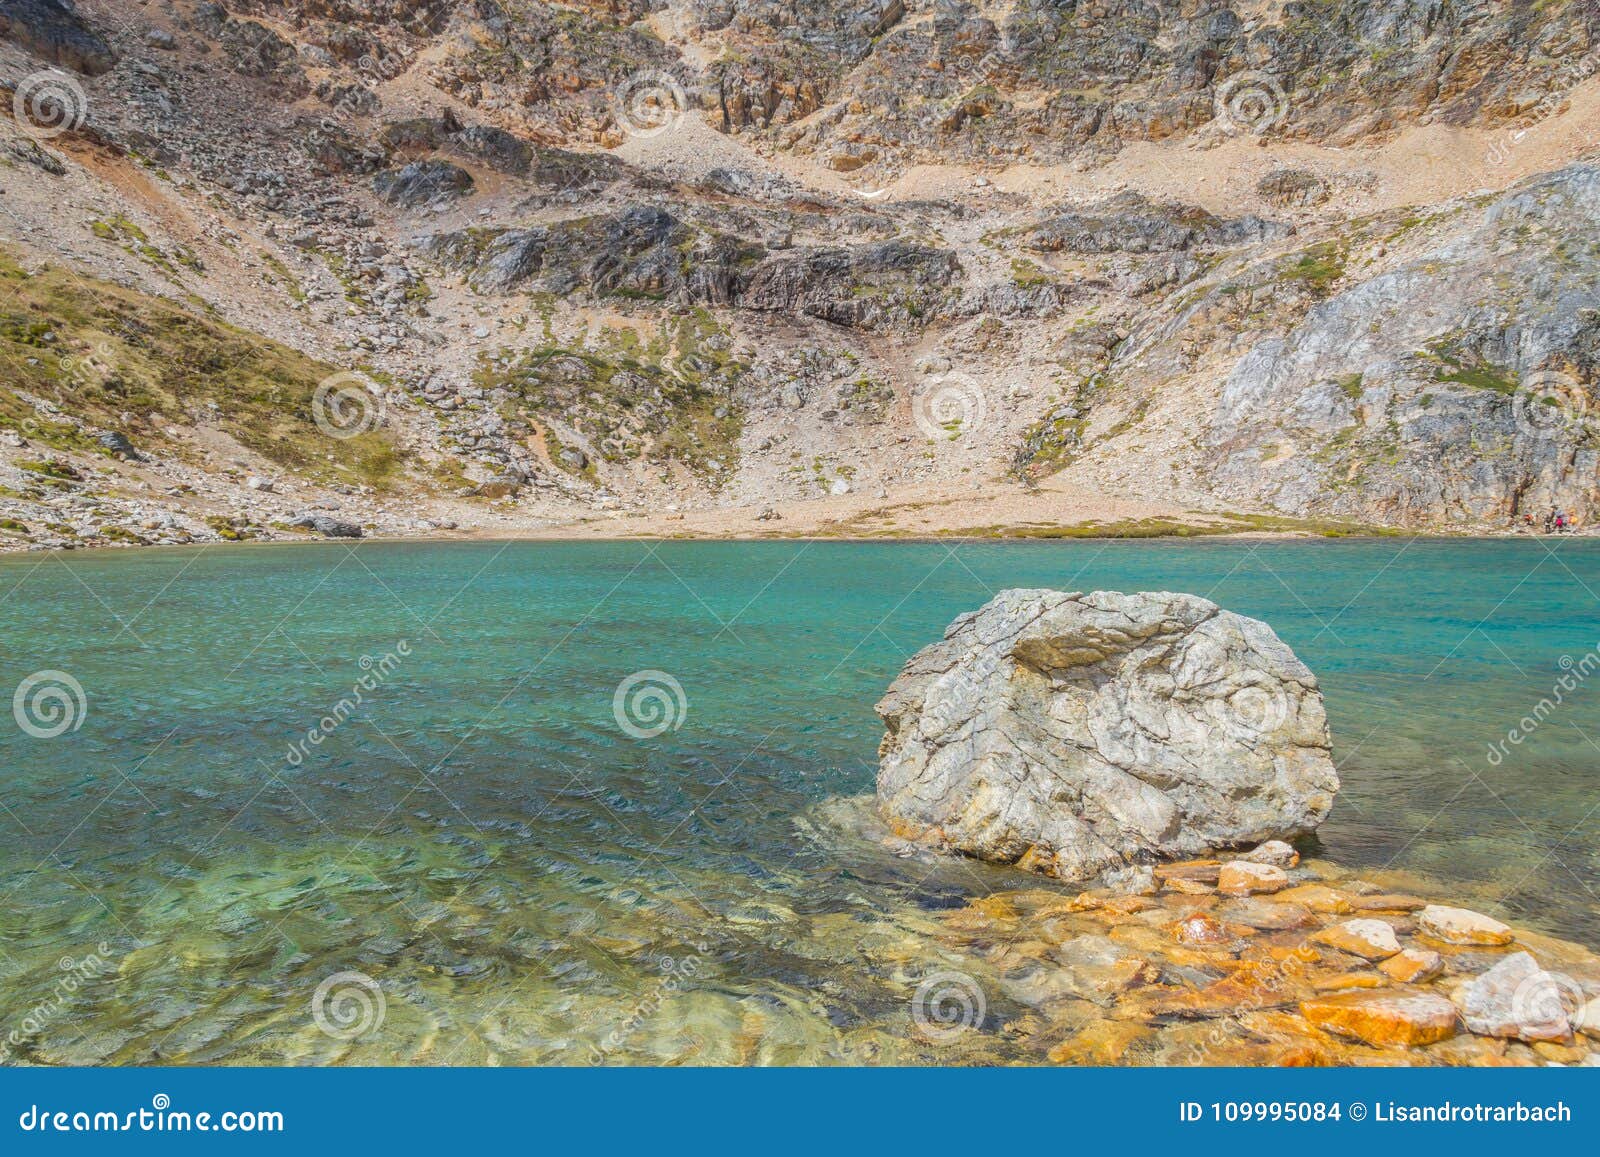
1244,878
1074,733
1461,926
1384,1018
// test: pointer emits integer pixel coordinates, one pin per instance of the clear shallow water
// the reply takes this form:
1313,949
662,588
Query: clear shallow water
526,883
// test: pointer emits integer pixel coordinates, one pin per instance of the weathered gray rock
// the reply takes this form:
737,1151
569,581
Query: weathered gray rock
1074,733
1459,384
327,526
1129,223
54,30
643,251
502,151
1517,998
117,442
1289,188
421,182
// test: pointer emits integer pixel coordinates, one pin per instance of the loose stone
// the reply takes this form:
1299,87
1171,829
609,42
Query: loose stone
1242,878
1368,939
1461,926
1517,998
1393,1017
1274,852
1413,965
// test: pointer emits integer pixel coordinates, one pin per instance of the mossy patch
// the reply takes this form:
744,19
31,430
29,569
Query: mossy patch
669,398
1316,268
1455,363
120,359
121,231
283,275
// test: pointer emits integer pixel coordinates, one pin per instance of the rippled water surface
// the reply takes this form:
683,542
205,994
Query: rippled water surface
524,882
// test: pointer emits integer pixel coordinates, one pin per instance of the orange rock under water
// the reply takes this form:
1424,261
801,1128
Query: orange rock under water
1242,878
1317,897
1413,965
1392,1017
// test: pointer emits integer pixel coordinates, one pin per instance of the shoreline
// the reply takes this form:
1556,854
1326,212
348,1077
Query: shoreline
488,536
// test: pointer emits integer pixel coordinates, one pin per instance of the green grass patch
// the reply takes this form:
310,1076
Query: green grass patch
283,275
1317,268
668,398
1453,364
154,364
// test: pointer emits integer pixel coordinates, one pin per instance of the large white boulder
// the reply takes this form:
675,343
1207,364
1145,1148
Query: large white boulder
1071,733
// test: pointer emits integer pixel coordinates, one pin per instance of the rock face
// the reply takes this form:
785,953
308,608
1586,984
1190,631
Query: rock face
327,526
422,182
54,30
1516,998
1477,407
1073,733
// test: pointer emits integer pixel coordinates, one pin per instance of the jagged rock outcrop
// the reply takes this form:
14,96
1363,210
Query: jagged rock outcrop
253,49
54,30
1459,383
422,182
1048,80
644,251
1074,733
1130,223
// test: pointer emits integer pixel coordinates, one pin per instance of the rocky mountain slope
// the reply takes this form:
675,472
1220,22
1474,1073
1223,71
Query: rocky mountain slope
737,266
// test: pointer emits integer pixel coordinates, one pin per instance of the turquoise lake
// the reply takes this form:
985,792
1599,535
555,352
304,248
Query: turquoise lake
527,883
